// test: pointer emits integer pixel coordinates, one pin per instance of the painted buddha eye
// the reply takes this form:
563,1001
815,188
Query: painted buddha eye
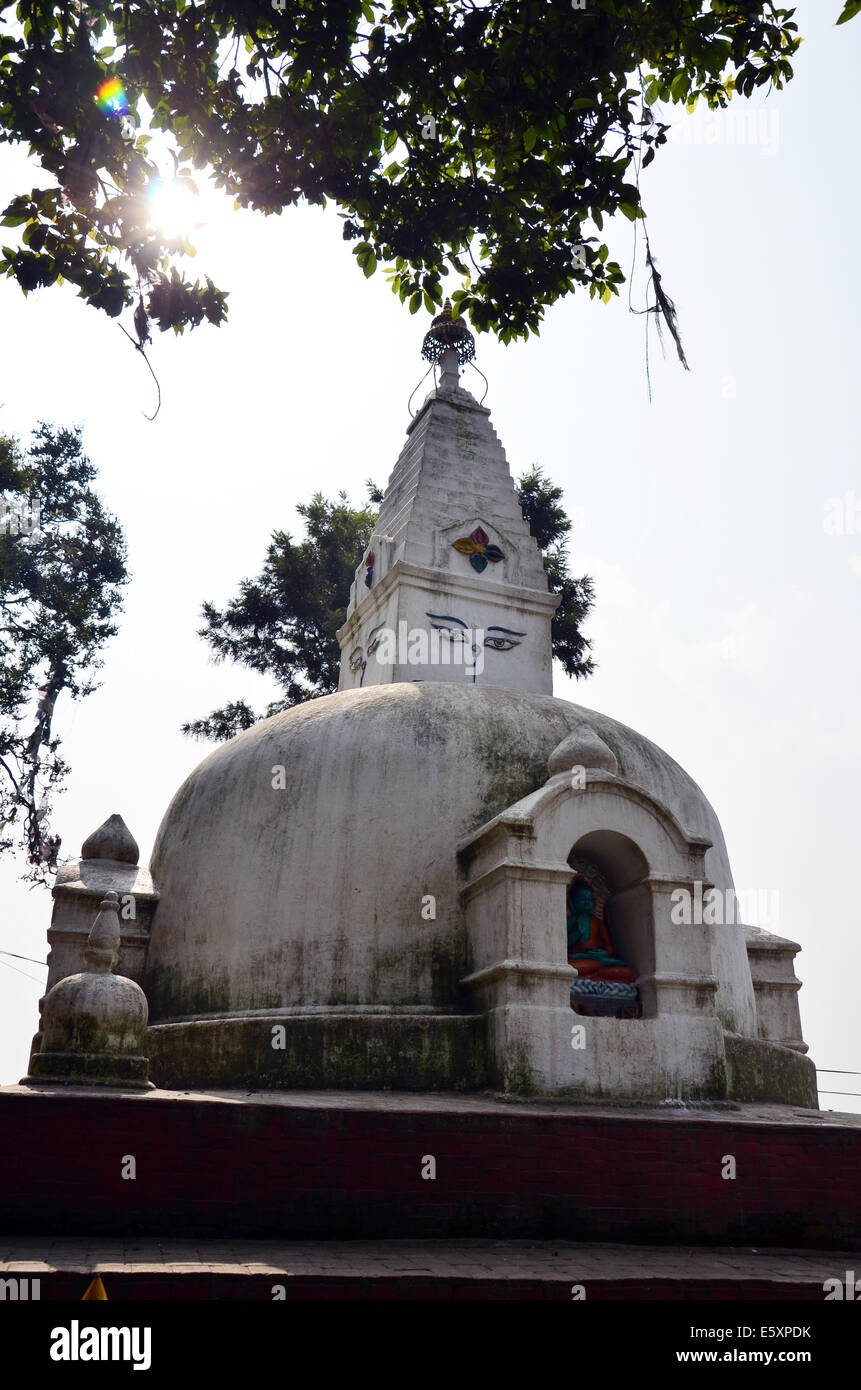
374,639
453,628
356,659
502,639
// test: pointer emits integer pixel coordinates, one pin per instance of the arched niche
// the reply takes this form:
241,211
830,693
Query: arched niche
628,912
620,860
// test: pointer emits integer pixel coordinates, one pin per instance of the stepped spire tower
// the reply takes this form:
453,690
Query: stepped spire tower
452,585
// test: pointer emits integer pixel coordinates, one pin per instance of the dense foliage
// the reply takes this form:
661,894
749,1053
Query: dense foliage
62,568
491,140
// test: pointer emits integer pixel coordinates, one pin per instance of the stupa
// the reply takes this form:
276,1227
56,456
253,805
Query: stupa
376,888
440,961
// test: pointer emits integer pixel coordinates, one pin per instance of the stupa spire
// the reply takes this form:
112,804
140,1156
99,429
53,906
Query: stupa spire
452,586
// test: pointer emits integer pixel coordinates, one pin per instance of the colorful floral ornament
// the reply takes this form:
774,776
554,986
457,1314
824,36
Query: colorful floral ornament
477,547
369,569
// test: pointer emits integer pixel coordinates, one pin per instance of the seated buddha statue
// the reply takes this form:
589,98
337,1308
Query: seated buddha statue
590,949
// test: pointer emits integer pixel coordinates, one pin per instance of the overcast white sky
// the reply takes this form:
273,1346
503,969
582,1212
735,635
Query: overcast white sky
726,626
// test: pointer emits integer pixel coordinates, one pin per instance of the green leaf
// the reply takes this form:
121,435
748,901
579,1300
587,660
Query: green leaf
416,302
652,90
850,9
529,138
369,265
34,236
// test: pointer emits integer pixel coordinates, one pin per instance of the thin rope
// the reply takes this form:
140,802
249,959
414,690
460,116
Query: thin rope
484,379
138,347
424,378
637,182
648,372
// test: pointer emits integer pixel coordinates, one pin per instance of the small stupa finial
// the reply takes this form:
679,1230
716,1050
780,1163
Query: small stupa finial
112,840
102,950
585,748
93,1023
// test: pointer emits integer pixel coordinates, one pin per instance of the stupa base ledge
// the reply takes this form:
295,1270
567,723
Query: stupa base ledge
362,1051
680,1057
50,1069
519,1049
760,1070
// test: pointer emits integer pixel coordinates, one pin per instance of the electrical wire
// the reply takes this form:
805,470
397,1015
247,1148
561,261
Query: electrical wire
21,972
31,959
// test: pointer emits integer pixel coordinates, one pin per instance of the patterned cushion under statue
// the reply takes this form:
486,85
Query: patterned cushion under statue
605,984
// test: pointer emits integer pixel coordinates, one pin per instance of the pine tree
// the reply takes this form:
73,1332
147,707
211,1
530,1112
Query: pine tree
283,623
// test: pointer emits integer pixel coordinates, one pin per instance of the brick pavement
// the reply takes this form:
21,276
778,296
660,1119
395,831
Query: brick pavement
171,1269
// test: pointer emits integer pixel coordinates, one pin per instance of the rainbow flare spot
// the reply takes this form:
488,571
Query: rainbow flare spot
111,97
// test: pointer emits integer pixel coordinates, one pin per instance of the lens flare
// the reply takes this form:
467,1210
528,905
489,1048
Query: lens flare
111,97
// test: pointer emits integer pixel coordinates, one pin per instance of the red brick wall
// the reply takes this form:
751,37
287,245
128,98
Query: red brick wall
306,1168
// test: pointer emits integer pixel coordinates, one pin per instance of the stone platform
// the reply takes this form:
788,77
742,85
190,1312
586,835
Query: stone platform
309,1166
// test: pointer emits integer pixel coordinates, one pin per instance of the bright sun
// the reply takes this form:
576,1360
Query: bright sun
174,209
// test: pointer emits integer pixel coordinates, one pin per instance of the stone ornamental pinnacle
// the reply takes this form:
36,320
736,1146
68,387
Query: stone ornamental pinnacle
452,586
93,1023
